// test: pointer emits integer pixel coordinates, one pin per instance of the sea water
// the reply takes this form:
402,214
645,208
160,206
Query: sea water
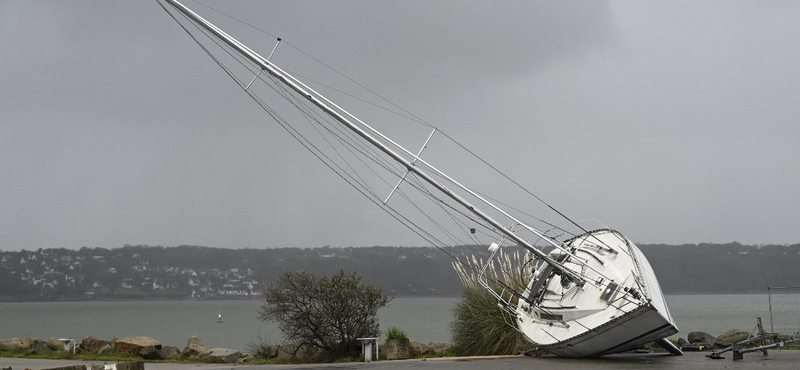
423,319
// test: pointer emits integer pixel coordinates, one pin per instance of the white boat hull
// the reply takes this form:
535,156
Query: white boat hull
625,333
621,309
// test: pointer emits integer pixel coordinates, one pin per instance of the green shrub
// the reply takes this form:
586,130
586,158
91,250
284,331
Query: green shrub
326,313
479,326
394,333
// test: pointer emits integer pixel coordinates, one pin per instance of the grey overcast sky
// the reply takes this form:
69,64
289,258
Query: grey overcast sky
117,129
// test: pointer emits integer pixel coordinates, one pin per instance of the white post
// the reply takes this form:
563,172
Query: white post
368,351
66,342
366,347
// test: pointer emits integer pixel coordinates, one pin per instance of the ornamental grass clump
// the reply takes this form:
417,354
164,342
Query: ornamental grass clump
480,327
394,333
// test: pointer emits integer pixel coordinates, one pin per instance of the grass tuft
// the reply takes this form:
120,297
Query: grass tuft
479,326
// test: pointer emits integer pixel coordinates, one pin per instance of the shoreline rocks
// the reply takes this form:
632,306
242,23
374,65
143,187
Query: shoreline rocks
221,355
194,346
146,347
135,344
11,343
701,338
732,336
92,344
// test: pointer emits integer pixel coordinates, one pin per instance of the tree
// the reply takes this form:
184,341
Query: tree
327,313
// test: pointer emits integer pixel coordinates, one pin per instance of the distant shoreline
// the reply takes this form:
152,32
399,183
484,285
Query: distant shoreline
136,273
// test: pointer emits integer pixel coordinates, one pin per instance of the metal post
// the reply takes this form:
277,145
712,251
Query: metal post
761,334
771,320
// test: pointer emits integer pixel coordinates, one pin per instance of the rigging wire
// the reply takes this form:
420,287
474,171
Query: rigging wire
411,116
307,144
352,176
312,148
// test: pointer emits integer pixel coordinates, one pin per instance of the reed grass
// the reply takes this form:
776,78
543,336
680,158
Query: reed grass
480,327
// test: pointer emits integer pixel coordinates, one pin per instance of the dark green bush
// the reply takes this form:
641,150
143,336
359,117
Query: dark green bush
328,313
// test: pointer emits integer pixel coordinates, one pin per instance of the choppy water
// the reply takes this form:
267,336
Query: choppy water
423,319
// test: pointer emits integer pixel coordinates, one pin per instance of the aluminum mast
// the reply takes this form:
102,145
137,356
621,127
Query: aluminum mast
289,81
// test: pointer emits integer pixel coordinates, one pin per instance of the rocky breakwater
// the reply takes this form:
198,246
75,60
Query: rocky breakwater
701,341
145,347
195,349
34,344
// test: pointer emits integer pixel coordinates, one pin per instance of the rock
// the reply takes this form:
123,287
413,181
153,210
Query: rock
150,353
682,342
439,347
105,349
92,344
284,353
170,352
247,358
419,349
221,355
55,344
396,349
11,343
73,367
651,347
306,353
731,336
135,344
35,344
194,347
701,337
272,351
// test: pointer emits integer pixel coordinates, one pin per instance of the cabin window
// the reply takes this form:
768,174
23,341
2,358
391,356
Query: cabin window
550,316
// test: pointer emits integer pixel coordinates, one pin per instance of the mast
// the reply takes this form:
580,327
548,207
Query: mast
312,96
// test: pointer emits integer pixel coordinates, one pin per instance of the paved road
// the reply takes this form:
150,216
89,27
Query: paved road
693,360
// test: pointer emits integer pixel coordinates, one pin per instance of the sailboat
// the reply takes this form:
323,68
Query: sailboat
586,291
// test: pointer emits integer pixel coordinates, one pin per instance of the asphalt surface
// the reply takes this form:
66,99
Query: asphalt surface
692,360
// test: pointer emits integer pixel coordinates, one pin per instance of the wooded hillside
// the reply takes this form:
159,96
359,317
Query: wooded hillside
146,272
